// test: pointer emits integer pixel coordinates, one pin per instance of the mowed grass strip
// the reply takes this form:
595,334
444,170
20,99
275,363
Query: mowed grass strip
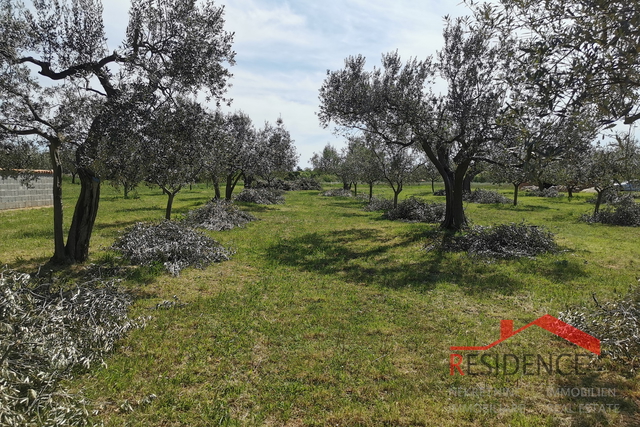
329,315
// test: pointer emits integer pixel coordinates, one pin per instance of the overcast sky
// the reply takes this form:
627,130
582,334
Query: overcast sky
284,49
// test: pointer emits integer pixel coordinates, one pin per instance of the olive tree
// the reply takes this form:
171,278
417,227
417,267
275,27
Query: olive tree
57,77
326,162
273,152
230,150
364,162
453,129
397,164
610,165
174,148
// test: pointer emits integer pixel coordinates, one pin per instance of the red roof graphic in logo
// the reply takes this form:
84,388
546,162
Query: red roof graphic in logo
551,324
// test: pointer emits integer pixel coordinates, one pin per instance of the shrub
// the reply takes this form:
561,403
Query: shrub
171,244
616,324
484,197
440,193
261,196
47,333
338,192
218,215
378,204
416,210
503,241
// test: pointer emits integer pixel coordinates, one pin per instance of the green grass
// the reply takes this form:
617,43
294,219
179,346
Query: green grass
329,315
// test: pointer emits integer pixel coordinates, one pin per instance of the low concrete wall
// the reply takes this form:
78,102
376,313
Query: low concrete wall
14,195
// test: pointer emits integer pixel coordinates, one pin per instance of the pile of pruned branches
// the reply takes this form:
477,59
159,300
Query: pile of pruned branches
302,183
502,241
338,192
416,210
625,212
484,197
218,215
615,323
547,192
612,197
440,192
307,184
261,196
378,204
171,244
48,332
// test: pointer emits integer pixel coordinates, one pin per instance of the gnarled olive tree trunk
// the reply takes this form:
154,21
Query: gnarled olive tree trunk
84,216
454,217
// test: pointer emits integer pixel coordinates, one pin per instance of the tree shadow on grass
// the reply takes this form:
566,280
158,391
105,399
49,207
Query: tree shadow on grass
146,209
370,257
373,257
510,207
31,265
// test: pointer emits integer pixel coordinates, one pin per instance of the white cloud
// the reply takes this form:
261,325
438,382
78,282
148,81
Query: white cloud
285,47
257,23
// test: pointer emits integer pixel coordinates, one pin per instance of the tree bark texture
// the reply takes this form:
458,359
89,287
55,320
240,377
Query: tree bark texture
171,196
216,188
84,216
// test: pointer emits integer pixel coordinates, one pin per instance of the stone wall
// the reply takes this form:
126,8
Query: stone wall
15,195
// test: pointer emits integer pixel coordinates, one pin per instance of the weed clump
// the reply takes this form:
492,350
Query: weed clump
615,323
261,196
416,210
503,241
218,215
484,197
378,204
338,192
47,332
171,244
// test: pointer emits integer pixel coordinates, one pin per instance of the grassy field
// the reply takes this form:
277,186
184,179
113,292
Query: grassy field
331,316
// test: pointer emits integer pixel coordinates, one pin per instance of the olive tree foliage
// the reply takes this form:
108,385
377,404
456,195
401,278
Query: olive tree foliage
121,156
174,147
272,153
397,164
19,157
577,51
232,138
364,162
515,175
572,170
611,165
426,171
454,129
343,164
327,161
169,45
